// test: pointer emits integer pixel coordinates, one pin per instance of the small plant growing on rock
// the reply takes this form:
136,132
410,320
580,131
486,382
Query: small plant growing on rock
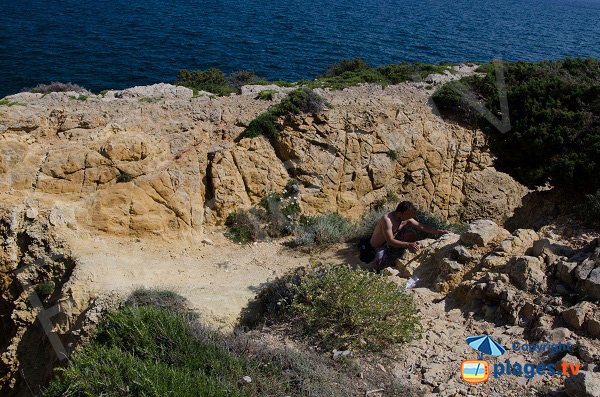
45,288
392,154
6,102
56,86
81,98
124,177
302,100
266,95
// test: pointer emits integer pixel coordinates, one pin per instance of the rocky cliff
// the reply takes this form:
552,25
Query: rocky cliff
157,160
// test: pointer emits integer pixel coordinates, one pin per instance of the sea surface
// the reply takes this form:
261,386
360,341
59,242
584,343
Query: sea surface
103,44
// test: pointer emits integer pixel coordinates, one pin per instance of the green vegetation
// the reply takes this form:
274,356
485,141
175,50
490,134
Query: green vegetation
154,346
589,209
554,111
392,154
45,288
6,102
353,72
302,100
275,216
342,308
56,86
347,73
211,80
148,351
149,100
323,230
216,82
266,95
124,177
79,97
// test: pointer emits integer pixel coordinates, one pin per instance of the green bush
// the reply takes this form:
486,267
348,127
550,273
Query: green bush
275,216
353,72
554,111
148,351
589,209
124,177
243,226
266,95
6,102
323,230
56,86
45,288
211,80
302,100
343,308
81,98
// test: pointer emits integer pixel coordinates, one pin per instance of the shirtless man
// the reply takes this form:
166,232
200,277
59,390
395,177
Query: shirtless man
390,232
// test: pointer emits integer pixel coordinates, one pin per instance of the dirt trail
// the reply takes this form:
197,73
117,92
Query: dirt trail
217,279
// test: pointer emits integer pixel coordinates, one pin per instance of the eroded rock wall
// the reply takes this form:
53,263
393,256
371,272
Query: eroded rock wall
157,161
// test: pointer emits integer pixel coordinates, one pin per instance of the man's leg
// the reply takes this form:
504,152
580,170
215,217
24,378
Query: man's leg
379,260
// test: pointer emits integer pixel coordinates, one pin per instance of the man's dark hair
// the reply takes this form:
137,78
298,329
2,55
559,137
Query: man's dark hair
405,206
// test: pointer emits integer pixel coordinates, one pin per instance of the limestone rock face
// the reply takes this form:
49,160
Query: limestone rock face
158,160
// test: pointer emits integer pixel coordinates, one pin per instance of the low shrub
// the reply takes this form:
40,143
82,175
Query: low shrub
342,308
56,86
266,95
353,72
243,226
437,222
554,116
124,177
323,230
81,98
6,102
302,100
45,288
211,80
589,209
143,350
275,216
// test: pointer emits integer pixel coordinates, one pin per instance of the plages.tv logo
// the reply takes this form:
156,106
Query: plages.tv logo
479,371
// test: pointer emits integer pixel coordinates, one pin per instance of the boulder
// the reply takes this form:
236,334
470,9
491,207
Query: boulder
587,265
462,254
527,273
519,243
576,316
584,384
390,271
546,244
481,233
591,285
564,271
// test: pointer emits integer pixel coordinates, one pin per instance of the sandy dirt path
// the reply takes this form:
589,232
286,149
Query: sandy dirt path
217,279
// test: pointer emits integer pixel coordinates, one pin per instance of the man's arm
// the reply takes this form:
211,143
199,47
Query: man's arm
426,229
391,241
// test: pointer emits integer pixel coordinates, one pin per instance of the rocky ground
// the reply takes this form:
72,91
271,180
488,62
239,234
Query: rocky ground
104,194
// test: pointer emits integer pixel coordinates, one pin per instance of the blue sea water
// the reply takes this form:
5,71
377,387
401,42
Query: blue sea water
120,43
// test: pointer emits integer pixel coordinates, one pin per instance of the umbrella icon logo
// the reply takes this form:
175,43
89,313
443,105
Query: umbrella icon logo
478,371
